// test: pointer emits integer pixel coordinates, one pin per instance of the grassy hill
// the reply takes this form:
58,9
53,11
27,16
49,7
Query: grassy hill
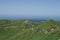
27,30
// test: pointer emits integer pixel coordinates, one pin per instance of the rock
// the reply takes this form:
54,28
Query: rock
45,31
58,39
32,29
52,29
26,22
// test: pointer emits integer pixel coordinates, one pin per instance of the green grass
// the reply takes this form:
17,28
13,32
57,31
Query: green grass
17,32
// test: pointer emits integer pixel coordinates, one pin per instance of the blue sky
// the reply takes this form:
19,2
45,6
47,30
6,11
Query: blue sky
29,8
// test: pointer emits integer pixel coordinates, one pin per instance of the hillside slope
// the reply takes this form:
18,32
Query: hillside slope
27,30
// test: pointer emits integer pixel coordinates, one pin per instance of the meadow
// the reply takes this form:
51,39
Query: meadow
28,30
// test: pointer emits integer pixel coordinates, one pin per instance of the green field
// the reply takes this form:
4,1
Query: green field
28,30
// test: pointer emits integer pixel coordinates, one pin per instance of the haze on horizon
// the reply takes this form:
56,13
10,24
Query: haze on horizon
29,8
